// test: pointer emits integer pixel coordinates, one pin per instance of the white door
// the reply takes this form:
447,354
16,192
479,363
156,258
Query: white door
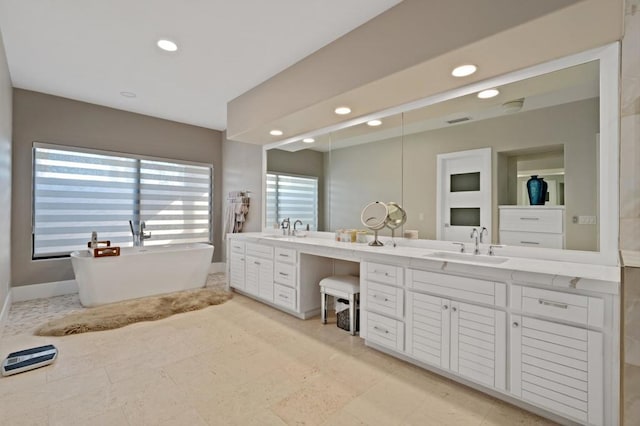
463,194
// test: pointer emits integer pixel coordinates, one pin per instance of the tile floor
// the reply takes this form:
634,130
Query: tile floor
240,363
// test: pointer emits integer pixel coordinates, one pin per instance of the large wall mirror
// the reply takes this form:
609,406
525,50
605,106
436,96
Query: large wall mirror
459,160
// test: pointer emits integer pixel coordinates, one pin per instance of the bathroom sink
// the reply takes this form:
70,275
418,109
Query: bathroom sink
477,258
276,236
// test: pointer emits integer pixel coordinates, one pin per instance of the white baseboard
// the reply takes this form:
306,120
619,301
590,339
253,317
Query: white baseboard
44,290
4,313
217,267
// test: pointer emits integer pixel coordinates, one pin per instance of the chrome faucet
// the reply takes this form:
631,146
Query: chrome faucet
143,235
483,231
474,233
139,235
286,230
298,221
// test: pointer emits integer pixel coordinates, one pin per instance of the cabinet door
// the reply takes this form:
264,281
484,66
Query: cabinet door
266,280
236,271
479,344
558,367
252,277
428,329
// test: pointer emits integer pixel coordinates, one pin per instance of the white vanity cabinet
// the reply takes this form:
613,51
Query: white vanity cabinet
462,337
382,305
555,365
237,263
284,277
259,271
532,226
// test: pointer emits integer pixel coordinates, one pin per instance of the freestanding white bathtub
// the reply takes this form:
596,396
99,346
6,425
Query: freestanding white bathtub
140,271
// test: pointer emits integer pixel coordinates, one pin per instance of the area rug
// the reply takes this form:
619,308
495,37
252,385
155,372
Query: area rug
119,314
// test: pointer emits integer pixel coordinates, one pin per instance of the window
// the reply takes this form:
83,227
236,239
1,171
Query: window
294,197
78,191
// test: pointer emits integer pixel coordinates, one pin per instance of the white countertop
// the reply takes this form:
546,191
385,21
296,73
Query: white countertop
600,278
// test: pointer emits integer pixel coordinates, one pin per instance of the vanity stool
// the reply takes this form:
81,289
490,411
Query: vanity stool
344,287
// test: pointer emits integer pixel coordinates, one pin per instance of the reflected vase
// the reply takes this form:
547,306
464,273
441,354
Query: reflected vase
537,189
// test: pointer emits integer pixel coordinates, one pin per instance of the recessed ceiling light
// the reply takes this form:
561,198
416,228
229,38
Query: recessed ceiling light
128,94
489,93
343,110
167,45
374,123
276,132
308,140
464,70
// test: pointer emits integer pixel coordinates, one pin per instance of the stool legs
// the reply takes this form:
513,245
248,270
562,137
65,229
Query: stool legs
323,307
352,314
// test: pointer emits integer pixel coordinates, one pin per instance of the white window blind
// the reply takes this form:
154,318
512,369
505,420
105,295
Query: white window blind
78,192
294,197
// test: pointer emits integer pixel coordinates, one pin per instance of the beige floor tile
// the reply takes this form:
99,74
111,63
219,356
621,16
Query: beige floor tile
315,402
240,363
502,414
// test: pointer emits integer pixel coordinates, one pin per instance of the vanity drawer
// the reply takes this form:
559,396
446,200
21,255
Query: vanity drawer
531,239
532,220
285,274
284,296
382,273
559,305
385,299
237,247
385,331
285,255
471,289
259,250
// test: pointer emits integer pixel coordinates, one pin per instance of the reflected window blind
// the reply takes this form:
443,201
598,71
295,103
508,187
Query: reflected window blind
294,197
77,192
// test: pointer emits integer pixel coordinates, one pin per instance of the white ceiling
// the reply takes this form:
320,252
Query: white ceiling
92,50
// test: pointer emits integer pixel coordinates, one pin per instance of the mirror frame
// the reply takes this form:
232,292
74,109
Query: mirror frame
608,186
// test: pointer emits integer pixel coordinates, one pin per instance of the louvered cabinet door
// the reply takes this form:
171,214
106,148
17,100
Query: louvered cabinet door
479,344
558,367
428,329
236,270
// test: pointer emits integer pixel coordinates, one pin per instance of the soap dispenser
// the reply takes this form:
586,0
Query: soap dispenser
94,239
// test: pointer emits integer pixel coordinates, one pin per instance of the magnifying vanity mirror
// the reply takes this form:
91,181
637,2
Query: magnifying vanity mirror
395,218
375,216
460,160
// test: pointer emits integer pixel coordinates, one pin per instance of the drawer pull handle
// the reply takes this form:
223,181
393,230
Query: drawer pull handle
256,263
554,304
530,242
454,309
242,259
283,274
386,274
283,296
515,325
529,218
283,255
375,296
445,307
375,327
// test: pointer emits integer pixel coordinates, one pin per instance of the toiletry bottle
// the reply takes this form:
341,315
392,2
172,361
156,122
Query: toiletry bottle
94,239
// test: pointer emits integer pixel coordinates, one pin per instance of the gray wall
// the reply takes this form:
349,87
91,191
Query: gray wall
5,176
243,171
46,118
391,170
305,163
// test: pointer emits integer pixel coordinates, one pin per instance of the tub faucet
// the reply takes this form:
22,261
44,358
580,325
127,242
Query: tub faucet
143,235
298,221
139,235
474,233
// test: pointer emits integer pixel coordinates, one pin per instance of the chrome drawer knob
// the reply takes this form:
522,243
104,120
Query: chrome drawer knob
515,325
445,307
